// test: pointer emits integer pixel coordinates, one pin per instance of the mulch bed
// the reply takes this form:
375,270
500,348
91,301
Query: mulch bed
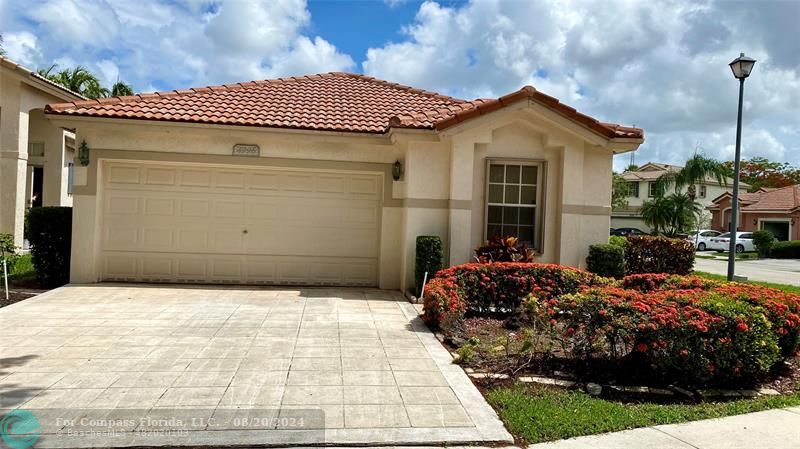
785,378
17,295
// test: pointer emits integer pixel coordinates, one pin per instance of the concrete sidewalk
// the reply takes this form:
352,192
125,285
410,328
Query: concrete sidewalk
771,429
779,271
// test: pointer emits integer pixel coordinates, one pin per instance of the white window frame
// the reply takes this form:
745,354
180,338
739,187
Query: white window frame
703,191
634,192
539,207
650,186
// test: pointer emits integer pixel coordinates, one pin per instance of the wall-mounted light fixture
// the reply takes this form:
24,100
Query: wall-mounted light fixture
83,154
397,170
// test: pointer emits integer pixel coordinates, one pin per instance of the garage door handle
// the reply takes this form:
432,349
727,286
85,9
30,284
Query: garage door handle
244,231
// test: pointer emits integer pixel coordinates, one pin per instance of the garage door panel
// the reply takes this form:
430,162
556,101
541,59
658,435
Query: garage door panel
157,239
210,224
159,206
194,207
159,176
195,178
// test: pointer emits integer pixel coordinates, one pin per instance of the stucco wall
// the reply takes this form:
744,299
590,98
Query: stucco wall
20,122
441,192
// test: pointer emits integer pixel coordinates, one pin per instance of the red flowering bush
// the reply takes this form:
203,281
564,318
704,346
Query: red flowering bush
687,329
496,288
646,254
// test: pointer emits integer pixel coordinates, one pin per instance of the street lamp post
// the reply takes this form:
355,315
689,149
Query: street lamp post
741,68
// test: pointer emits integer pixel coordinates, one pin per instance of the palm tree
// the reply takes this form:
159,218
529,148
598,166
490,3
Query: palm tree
697,170
120,89
656,213
671,214
78,79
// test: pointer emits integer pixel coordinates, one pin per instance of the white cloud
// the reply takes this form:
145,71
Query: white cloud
173,44
22,47
660,64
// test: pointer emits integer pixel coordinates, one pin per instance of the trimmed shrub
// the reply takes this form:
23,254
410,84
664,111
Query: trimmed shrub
618,240
645,254
786,250
497,288
9,251
429,259
606,260
763,240
50,236
694,337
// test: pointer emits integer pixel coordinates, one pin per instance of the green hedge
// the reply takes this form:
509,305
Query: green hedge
606,260
786,250
763,240
645,254
50,236
429,259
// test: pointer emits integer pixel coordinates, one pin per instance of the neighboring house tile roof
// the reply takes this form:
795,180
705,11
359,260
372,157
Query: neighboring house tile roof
783,199
651,171
330,102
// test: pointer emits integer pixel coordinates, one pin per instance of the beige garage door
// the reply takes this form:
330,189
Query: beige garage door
170,223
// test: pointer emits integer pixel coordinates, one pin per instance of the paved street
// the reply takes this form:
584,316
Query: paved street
781,271
771,429
233,366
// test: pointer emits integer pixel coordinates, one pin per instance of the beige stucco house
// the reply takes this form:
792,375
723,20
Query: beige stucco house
328,180
643,187
35,154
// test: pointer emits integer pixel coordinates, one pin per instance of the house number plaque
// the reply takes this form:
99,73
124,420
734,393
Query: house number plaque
241,149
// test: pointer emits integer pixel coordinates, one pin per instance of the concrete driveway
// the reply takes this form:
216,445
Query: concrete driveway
120,365
779,271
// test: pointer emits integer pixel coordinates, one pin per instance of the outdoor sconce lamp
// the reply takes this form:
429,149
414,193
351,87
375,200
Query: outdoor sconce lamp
397,170
83,154
755,222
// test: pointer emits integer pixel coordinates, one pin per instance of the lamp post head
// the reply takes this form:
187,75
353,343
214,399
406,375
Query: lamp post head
742,66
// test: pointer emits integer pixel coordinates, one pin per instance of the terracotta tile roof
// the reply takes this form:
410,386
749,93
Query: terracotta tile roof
782,199
765,199
330,101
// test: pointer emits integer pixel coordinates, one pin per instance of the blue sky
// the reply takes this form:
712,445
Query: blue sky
658,64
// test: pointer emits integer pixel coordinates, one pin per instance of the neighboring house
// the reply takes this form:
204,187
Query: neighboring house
35,155
328,180
643,187
775,209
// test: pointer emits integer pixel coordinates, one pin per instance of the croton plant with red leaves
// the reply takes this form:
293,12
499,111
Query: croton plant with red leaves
691,330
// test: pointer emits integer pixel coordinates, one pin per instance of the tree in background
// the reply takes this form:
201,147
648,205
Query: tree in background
670,214
697,170
79,79
761,172
120,89
620,191
2,51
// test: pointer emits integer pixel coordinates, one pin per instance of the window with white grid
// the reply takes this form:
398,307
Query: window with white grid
513,193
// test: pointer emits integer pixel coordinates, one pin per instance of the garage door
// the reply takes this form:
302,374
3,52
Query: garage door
204,224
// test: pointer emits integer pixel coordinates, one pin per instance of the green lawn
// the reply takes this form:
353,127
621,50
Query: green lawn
784,287
538,414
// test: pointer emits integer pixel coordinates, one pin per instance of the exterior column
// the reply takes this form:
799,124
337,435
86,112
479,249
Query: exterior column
55,173
462,165
572,194
13,160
